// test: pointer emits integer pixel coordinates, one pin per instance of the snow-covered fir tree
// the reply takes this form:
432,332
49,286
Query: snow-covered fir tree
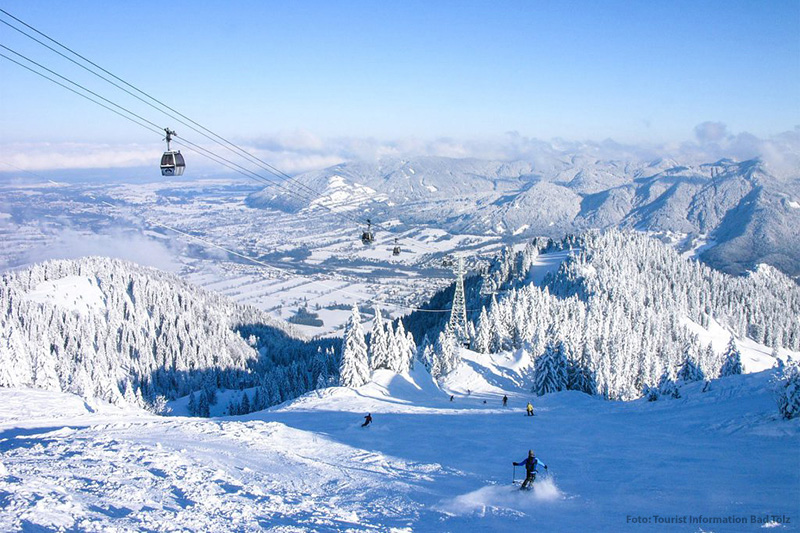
244,405
405,349
690,368
732,360
379,344
580,376
483,333
652,393
445,354
667,387
354,368
788,390
550,369
425,354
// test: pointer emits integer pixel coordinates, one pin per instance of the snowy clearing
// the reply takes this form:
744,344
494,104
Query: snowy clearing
77,293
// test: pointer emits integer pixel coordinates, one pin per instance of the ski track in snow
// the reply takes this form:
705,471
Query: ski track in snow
177,474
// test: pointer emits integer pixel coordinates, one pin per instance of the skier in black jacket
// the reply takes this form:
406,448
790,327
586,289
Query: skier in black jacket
531,463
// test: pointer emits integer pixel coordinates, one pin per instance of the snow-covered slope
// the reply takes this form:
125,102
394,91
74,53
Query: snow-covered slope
425,464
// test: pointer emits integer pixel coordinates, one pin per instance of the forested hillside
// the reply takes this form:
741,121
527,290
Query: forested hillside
120,332
618,316
613,319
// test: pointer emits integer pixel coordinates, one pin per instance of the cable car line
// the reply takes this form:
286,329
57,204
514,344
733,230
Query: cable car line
200,239
225,143
155,128
151,126
231,146
216,137
143,122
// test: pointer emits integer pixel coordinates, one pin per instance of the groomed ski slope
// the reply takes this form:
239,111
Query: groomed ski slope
425,464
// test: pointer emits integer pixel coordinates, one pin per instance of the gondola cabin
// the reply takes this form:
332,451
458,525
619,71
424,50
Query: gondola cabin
368,237
172,164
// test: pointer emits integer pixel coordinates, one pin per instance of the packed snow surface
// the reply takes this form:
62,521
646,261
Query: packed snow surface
425,464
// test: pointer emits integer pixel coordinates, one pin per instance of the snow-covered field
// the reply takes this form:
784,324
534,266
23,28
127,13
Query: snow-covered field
306,259
425,464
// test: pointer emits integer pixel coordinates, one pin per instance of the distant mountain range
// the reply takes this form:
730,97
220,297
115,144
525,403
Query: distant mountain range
742,214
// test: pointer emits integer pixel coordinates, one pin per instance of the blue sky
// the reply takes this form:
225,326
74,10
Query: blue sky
633,71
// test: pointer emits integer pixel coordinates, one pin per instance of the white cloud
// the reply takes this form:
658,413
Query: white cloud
300,151
118,243
46,156
711,132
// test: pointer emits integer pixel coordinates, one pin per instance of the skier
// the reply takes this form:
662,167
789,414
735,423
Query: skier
505,400
367,420
451,397
530,409
531,463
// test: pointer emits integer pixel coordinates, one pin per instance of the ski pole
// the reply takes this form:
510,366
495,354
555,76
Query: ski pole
514,475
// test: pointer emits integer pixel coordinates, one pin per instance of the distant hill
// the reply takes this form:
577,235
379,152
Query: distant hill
123,333
744,214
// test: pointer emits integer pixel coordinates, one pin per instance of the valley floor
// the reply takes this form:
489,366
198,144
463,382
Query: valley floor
425,464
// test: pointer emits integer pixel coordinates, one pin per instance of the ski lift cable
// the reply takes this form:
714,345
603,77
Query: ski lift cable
195,148
207,242
232,146
228,144
243,153
156,128
210,155
216,137
141,121
138,120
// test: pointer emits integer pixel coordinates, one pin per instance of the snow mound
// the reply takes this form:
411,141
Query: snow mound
22,404
755,357
387,392
488,374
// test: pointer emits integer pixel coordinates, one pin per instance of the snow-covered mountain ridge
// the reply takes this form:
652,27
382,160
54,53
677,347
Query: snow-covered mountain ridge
745,210
122,333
